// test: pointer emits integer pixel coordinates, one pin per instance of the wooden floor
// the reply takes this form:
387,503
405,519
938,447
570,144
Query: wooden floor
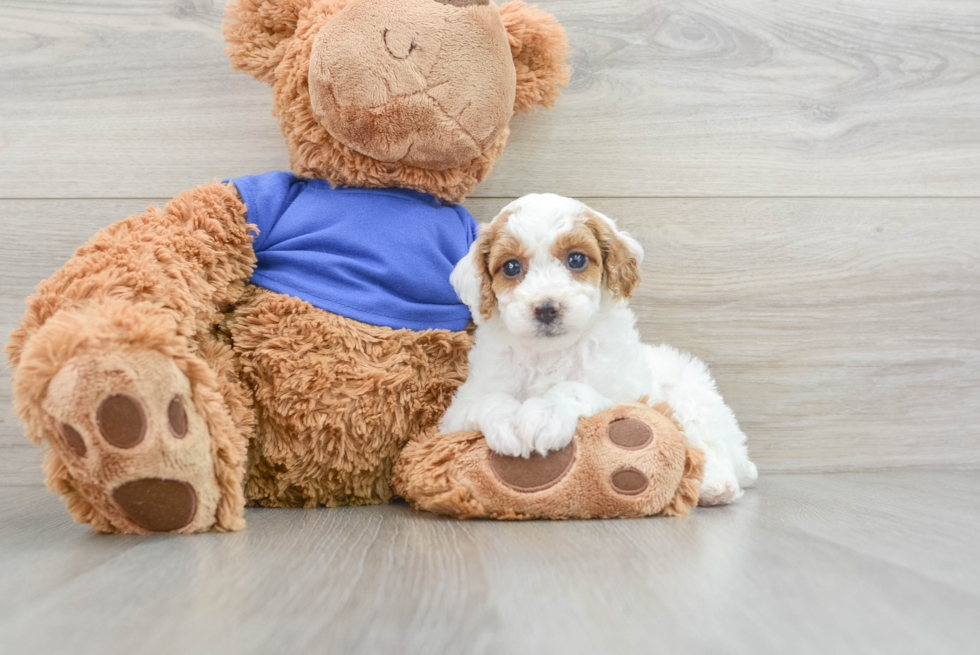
807,563
805,177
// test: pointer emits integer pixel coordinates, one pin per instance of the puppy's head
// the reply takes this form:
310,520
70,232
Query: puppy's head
544,265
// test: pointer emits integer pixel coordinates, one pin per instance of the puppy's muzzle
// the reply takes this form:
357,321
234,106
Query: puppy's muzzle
546,312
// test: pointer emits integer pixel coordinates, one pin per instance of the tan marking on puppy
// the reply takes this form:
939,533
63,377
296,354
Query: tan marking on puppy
504,248
621,269
580,239
493,243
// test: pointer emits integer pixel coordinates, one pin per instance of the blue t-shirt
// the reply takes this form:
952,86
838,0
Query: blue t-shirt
379,256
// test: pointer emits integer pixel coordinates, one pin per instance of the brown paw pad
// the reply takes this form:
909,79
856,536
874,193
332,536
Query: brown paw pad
122,421
629,481
534,473
157,505
630,433
74,439
177,417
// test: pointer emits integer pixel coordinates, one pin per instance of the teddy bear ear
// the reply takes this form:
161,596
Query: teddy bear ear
540,50
257,32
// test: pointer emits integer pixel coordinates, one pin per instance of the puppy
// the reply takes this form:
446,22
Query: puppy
547,282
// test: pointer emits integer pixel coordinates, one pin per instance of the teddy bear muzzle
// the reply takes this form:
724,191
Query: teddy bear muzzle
383,83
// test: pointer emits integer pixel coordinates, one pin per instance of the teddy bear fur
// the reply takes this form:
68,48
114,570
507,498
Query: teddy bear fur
150,359
457,475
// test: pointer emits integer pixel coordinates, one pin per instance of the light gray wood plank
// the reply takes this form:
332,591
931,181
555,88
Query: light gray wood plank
877,514
718,97
755,577
842,331
43,549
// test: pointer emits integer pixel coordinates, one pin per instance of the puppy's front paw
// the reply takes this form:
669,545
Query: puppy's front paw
543,426
502,438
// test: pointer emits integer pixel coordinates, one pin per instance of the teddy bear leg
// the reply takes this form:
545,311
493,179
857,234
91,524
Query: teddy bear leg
141,438
630,460
122,368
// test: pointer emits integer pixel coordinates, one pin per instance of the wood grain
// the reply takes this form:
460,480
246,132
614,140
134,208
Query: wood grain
707,98
870,562
842,331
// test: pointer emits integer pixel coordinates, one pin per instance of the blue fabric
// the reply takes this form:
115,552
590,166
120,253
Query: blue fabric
379,256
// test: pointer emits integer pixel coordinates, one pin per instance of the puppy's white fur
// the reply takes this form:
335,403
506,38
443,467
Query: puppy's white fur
529,383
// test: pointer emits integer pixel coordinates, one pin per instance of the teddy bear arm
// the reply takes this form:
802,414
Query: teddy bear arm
189,259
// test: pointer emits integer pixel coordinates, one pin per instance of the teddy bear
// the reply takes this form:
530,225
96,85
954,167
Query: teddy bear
276,340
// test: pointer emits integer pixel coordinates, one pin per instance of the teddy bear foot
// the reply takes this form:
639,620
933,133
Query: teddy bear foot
628,461
135,444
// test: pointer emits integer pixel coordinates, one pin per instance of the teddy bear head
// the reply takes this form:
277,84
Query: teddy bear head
398,93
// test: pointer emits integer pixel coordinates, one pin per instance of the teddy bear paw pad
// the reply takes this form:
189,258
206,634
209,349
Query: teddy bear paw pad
629,481
74,439
630,433
129,432
534,473
121,421
157,505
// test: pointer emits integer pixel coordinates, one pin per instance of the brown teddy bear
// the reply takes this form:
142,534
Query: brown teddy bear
184,363
278,339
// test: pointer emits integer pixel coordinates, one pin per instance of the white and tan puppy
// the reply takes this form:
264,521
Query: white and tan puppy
547,282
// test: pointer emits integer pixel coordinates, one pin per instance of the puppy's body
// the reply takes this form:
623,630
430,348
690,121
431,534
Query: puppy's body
557,341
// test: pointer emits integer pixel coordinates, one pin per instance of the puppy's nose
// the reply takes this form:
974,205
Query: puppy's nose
546,312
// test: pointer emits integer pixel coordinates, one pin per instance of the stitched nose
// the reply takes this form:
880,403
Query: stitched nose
463,3
546,312
400,43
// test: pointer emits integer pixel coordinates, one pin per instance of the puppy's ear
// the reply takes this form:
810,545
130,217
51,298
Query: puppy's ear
472,279
621,255
540,49
257,32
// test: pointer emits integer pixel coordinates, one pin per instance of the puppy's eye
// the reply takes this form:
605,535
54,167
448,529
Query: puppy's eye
577,261
512,268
